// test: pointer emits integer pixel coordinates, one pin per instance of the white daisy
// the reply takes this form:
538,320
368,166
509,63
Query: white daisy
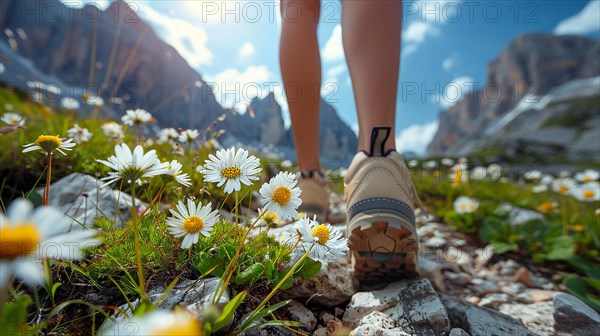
588,192
13,119
69,103
539,188
479,173
79,134
546,179
113,130
430,165
188,135
95,101
494,172
192,221
48,143
267,218
136,117
447,162
464,204
281,195
2,68
533,175
231,167
564,185
326,241
133,166
174,171
158,322
587,175
27,235
413,163
167,135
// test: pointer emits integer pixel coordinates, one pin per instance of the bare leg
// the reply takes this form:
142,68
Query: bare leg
301,71
371,37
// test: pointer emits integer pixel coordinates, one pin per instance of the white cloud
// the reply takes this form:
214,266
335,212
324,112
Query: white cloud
247,50
455,91
354,128
234,88
337,70
449,63
333,50
189,40
416,138
417,31
584,22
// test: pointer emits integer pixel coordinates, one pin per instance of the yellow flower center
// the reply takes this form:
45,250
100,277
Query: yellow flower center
193,224
321,232
578,228
458,177
563,188
463,207
587,178
471,207
231,172
546,207
282,195
48,142
16,241
588,194
180,327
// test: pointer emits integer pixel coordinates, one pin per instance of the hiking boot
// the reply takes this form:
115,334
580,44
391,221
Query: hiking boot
380,200
315,195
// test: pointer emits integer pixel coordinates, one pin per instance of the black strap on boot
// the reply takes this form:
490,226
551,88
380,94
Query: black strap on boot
379,136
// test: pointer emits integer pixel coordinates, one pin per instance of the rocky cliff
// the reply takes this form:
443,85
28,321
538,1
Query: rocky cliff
530,64
117,55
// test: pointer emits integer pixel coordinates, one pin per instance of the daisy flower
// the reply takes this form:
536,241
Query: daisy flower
113,130
533,175
281,195
167,135
48,143
447,162
588,192
430,165
494,172
564,185
324,239
94,101
174,172
79,134
27,235
13,119
231,167
158,322
479,173
546,179
267,218
547,207
192,221
136,117
587,175
133,166
188,135
69,103
464,205
413,163
539,188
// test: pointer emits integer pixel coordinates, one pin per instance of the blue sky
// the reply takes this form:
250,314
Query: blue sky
447,46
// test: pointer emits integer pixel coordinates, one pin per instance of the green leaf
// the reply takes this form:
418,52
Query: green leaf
54,288
561,248
502,247
585,266
228,311
309,268
289,282
250,274
262,313
14,315
269,269
577,286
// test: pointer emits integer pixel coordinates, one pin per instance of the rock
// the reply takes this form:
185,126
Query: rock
325,317
481,321
458,256
458,278
536,317
485,287
376,324
436,242
573,316
79,196
513,288
458,332
523,276
302,315
524,298
518,215
541,295
333,286
412,306
432,271
509,267
493,300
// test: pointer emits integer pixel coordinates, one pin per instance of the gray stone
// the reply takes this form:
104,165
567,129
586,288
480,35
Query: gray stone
412,306
482,321
458,332
302,315
194,295
574,316
458,278
518,215
493,300
79,196
333,286
536,317
485,287
432,271
436,242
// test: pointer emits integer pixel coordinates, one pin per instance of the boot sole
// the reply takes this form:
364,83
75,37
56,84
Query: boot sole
384,247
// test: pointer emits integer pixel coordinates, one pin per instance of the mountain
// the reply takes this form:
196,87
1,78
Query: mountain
114,54
530,66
